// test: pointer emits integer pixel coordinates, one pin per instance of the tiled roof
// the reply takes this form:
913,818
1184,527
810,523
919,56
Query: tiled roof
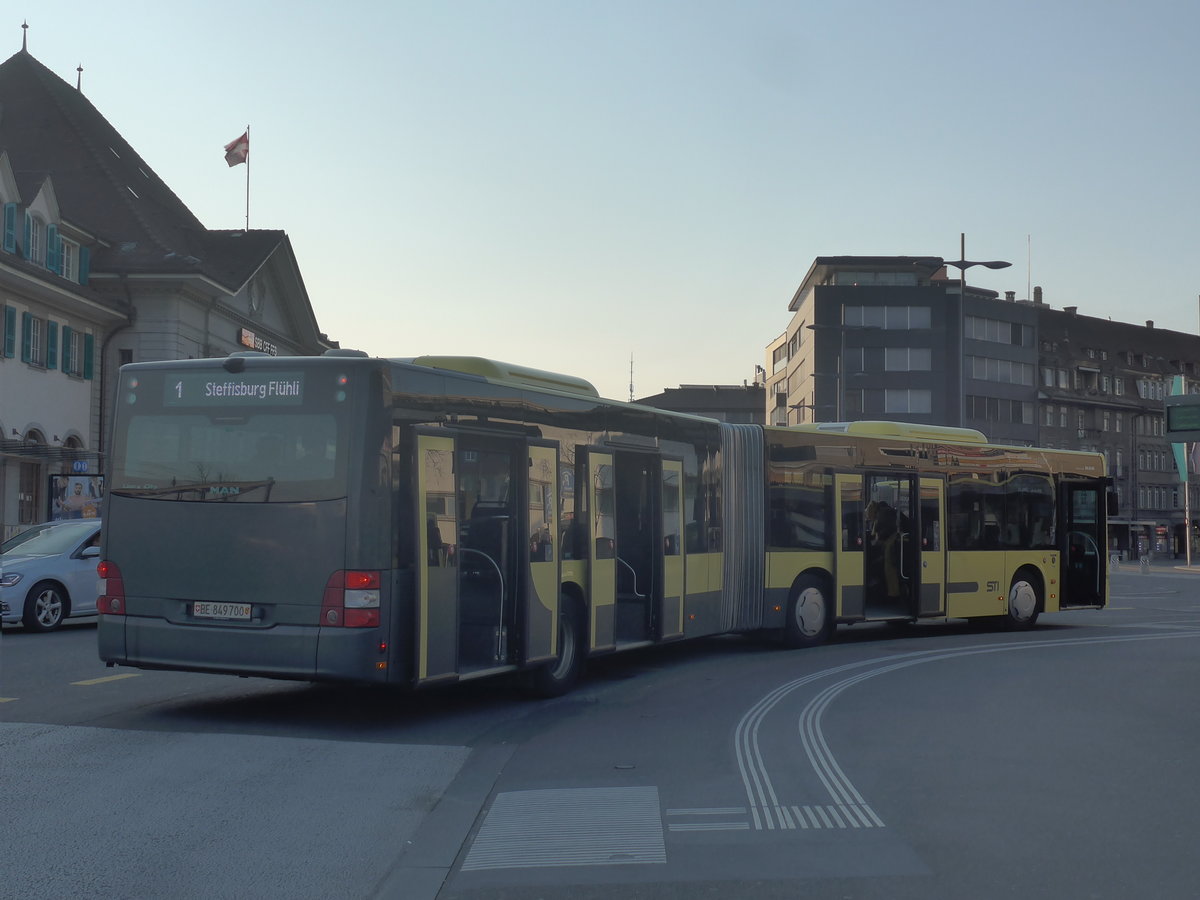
103,186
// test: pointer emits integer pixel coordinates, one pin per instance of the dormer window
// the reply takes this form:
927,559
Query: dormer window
34,231
68,259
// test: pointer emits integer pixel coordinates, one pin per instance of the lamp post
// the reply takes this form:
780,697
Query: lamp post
962,264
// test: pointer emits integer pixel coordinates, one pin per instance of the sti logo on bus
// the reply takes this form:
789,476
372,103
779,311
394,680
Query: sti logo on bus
244,389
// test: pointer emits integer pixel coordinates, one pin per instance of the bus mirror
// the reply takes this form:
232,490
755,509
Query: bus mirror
1113,503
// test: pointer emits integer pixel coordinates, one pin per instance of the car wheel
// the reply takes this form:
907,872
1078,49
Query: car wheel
46,605
558,676
811,614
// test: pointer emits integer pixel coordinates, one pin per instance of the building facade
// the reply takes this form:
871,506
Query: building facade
894,338
101,265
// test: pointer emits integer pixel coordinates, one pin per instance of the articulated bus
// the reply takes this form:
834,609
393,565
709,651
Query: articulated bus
423,521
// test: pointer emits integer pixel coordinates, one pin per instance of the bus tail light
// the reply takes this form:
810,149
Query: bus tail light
351,600
111,601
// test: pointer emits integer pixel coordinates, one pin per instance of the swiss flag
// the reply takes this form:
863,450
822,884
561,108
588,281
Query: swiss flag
238,151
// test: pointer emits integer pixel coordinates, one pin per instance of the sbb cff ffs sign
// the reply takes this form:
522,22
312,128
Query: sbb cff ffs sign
1183,417
248,338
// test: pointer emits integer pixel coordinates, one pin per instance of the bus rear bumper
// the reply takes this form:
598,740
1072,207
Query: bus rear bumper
299,652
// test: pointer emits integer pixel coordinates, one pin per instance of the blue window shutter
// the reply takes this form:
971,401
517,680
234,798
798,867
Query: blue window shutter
10,227
53,249
28,232
26,337
67,363
84,264
89,350
51,344
10,331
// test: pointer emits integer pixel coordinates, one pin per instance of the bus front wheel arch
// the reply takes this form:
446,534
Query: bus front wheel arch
811,612
1024,600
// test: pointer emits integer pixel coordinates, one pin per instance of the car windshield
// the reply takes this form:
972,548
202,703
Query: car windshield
47,540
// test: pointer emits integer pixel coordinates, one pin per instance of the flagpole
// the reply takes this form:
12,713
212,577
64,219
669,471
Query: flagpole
247,177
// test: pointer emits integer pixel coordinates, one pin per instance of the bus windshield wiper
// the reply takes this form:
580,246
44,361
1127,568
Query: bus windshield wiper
213,490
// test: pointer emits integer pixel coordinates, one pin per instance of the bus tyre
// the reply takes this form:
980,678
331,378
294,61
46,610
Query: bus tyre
45,607
1024,601
558,676
810,613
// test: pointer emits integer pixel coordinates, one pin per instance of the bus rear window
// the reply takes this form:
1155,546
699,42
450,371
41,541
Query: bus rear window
231,454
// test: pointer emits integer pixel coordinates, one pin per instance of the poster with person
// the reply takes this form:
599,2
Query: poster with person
75,496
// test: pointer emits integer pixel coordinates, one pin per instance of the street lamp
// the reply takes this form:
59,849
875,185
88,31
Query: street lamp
962,264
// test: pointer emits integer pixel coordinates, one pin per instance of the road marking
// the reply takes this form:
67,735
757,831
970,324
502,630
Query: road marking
108,678
769,814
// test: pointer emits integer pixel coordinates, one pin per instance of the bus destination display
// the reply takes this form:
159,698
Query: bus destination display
242,389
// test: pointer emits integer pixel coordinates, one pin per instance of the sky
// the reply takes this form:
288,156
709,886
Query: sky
586,187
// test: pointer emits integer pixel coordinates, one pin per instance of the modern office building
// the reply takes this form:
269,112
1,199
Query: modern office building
893,337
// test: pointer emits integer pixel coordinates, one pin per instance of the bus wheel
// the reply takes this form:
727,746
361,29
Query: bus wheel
810,613
45,607
559,675
1024,601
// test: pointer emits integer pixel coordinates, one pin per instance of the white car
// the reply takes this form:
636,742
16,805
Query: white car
48,573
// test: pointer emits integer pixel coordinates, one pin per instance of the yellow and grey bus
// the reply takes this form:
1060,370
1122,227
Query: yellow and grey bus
430,520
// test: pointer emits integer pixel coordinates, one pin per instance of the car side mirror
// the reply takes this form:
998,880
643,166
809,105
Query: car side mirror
90,553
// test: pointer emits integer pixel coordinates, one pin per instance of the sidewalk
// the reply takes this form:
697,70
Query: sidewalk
1157,564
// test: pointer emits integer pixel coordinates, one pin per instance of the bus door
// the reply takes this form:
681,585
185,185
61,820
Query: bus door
435,564
931,536
540,613
490,471
1082,509
891,553
638,515
671,615
848,552
598,473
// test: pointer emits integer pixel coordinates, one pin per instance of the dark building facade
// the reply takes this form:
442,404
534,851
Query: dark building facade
893,338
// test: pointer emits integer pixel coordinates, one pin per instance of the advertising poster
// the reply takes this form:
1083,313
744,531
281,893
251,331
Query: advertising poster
75,496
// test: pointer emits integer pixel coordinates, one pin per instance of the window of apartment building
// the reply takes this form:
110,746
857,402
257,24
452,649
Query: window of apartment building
1000,409
1062,417
1106,420
997,331
1002,371
68,256
1120,460
1064,381
1105,384
1118,385
1080,417
889,317
854,359
906,359
1118,419
1104,354
853,402
902,400
35,348
779,358
34,230
1048,416
1047,376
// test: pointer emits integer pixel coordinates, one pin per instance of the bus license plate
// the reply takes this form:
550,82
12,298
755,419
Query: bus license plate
205,610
